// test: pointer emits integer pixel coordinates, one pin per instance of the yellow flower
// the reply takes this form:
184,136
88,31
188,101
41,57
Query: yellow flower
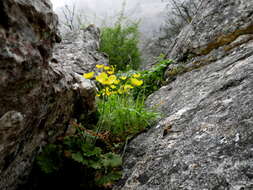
107,91
116,82
136,82
113,86
88,75
102,77
110,72
123,77
127,87
106,68
112,78
136,75
99,66
105,80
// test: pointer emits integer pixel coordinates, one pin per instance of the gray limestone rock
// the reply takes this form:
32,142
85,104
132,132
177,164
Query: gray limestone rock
205,140
38,95
79,50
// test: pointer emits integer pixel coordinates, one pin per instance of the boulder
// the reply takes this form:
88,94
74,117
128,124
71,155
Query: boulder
39,94
79,50
205,140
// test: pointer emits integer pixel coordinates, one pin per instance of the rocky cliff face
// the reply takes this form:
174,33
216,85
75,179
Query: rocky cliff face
205,140
79,49
39,95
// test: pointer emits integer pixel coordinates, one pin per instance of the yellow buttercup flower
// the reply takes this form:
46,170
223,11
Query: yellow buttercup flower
105,80
113,86
123,77
107,91
136,75
102,77
106,68
110,72
88,75
99,66
116,82
136,82
127,87
112,78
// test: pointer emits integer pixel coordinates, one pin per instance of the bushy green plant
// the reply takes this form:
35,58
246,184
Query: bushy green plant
152,79
120,43
120,113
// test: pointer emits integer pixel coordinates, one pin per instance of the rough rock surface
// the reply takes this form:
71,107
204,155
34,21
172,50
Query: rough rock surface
38,97
205,141
80,50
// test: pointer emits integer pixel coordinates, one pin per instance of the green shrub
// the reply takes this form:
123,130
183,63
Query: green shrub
120,43
153,79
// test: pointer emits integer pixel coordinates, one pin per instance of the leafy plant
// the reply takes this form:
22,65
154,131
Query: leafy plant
120,43
104,164
152,79
94,152
99,162
50,159
120,113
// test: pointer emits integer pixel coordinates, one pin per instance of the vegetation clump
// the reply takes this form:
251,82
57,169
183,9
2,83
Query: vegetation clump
97,150
152,79
121,113
120,43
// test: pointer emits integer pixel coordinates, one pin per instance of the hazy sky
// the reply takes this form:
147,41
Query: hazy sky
91,3
59,3
150,12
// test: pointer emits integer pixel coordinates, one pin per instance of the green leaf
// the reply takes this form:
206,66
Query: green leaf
77,157
95,164
95,152
113,176
49,160
112,160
